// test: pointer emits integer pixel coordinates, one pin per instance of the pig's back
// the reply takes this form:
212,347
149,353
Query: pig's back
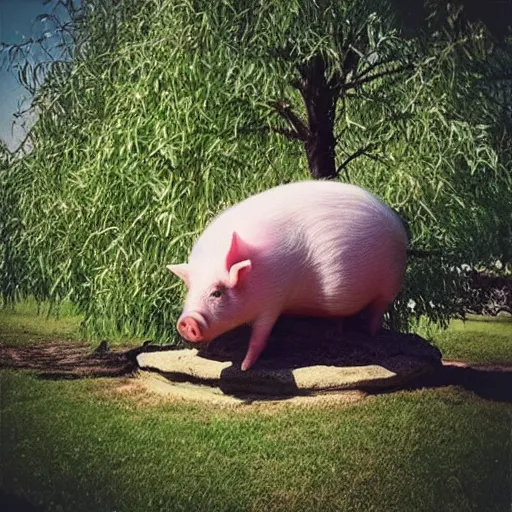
336,245
309,209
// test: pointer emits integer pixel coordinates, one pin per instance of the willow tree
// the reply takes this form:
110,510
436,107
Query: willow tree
175,109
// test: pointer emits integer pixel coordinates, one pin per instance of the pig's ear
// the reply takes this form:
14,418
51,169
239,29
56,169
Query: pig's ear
238,272
181,271
235,264
236,251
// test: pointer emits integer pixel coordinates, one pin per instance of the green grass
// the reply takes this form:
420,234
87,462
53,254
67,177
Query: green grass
27,323
76,445
478,340
68,446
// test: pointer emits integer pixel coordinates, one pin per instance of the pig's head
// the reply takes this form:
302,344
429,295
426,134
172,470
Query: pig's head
217,299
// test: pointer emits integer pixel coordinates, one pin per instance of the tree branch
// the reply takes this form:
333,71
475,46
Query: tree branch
263,128
360,152
299,84
21,145
360,81
289,134
374,66
299,127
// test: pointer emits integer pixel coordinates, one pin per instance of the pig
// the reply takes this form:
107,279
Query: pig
311,248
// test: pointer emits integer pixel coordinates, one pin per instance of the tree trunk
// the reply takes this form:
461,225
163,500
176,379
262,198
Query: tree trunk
320,101
320,153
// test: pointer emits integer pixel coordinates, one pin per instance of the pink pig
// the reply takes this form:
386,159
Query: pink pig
314,248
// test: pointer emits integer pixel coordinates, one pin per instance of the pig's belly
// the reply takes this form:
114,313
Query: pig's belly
336,307
324,312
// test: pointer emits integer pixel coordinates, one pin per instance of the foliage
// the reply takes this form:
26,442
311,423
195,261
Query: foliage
174,110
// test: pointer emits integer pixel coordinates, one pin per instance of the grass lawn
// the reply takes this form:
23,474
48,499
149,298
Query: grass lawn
80,445
28,324
478,340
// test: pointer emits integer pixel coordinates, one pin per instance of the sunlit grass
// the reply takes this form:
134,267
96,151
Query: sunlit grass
29,322
67,446
477,340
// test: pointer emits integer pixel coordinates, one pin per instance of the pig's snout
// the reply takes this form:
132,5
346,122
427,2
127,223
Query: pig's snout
190,328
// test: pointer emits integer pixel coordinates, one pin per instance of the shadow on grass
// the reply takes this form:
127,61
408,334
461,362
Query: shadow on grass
493,384
71,361
489,383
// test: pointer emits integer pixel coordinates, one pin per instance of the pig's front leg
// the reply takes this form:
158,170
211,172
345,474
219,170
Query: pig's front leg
261,329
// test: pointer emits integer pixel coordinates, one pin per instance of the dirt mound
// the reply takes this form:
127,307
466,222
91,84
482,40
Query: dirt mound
304,356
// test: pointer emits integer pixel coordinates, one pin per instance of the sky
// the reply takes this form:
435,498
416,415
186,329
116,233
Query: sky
18,24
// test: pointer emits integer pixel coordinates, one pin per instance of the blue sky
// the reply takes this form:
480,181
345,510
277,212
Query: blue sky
18,24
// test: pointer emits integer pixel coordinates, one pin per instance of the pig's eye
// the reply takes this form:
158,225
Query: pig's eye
216,294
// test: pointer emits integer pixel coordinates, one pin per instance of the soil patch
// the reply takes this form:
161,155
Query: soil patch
304,357
174,391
